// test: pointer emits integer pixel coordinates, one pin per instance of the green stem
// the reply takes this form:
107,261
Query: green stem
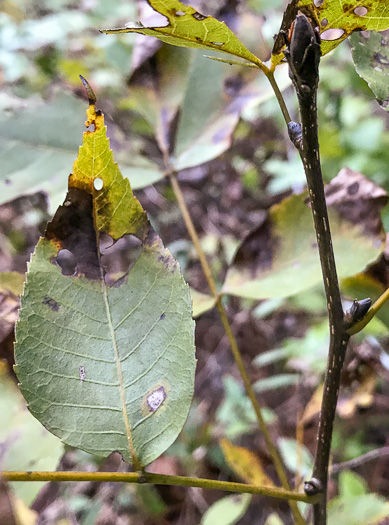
276,458
158,479
280,99
357,327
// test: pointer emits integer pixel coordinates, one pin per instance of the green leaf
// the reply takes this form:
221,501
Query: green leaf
275,382
186,27
206,104
371,59
36,154
368,509
296,456
336,20
293,264
350,485
24,444
105,355
227,511
201,302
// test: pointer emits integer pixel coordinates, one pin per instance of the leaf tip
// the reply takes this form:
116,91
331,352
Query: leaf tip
89,91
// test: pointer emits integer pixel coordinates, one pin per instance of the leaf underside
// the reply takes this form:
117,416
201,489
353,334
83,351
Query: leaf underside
105,355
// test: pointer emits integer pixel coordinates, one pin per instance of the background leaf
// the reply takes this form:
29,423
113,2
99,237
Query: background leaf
25,445
105,359
40,157
227,511
246,464
371,59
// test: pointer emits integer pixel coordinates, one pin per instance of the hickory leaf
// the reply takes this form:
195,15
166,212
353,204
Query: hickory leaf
105,353
335,19
186,27
280,258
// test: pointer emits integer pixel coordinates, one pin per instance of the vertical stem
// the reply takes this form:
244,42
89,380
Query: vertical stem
303,55
276,458
338,336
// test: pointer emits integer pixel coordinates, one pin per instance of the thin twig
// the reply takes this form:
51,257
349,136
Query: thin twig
280,99
356,462
303,55
157,479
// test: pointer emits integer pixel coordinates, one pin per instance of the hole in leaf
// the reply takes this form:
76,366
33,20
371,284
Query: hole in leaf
180,13
324,22
360,10
199,16
117,258
98,184
67,261
317,3
332,34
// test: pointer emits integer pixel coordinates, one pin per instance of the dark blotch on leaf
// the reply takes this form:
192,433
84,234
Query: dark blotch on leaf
162,316
199,17
353,188
73,229
53,305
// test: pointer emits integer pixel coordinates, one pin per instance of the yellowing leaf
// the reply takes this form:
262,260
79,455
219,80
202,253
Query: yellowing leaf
246,464
336,20
186,27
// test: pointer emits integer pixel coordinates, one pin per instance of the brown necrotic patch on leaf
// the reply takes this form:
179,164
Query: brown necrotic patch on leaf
155,398
72,229
153,242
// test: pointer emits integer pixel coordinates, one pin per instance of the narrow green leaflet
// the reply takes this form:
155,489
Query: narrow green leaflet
186,27
336,20
371,59
105,350
195,105
23,441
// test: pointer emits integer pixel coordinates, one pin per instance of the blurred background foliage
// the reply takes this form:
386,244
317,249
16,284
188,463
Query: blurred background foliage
230,185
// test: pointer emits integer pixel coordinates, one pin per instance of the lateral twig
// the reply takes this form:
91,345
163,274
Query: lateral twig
158,479
303,55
